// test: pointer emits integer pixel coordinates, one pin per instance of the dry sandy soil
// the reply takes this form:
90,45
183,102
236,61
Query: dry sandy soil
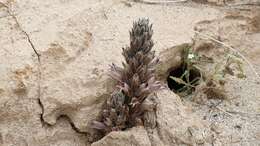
55,54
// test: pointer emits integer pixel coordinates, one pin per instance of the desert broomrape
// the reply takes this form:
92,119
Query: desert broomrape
135,81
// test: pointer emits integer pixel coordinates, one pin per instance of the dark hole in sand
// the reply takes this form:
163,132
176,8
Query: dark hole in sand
178,72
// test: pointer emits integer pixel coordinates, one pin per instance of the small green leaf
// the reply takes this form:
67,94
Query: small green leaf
241,75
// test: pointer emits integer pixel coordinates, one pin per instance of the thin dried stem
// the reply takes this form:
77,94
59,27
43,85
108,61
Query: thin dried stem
153,2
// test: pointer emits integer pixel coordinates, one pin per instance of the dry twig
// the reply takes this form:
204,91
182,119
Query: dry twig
153,2
246,4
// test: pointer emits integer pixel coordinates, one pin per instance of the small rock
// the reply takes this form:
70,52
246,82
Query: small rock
136,136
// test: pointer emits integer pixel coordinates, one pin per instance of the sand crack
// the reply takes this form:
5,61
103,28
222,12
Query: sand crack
23,31
39,74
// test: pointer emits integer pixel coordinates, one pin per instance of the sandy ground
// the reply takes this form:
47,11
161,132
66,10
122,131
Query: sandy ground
55,54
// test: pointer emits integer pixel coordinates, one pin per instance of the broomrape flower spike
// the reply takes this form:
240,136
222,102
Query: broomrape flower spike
135,81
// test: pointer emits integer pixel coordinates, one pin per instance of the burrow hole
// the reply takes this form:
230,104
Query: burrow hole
178,72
